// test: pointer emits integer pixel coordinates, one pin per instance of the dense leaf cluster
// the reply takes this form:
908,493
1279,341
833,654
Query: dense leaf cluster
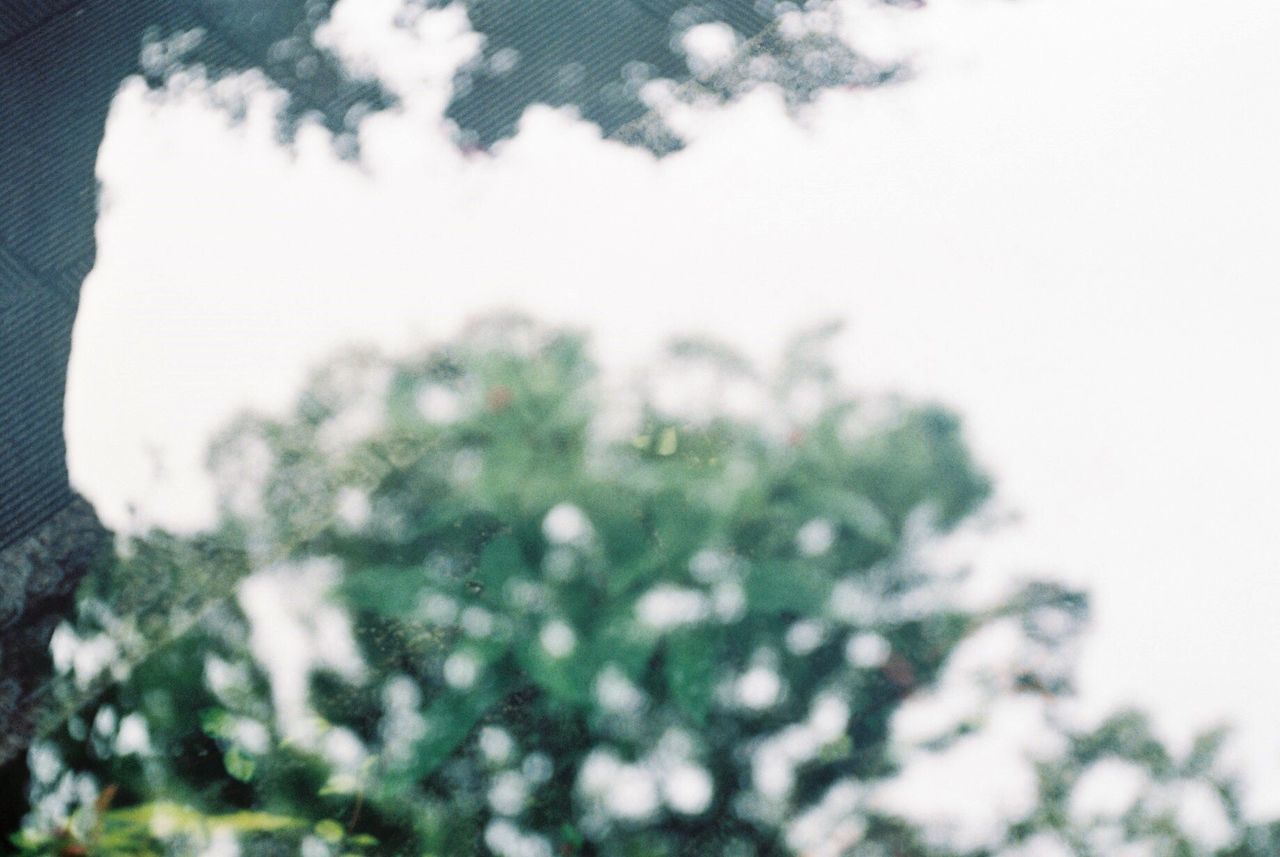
586,624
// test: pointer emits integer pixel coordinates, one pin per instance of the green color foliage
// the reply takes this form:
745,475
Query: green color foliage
586,623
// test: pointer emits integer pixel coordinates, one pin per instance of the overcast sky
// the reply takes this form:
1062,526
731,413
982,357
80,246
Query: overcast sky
1066,228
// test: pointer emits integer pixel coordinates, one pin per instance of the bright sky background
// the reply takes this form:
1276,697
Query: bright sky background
1066,228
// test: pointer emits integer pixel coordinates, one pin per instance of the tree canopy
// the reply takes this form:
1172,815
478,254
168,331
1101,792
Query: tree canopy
684,618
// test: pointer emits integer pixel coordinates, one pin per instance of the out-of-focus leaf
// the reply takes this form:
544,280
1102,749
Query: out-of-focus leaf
239,764
387,591
787,587
690,667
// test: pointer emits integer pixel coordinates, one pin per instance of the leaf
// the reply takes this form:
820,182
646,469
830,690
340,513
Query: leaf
620,641
668,442
216,722
786,587
254,822
500,560
329,830
690,667
449,720
239,764
386,591
340,784
568,679
184,819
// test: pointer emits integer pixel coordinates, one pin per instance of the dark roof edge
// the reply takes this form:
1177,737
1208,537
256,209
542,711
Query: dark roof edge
21,18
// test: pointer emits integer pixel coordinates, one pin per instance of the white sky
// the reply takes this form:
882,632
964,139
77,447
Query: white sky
1066,228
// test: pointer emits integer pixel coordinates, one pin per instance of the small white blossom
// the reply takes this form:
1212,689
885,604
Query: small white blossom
816,537
708,566
728,601
251,735
829,717
508,793
537,767
439,609
477,622
665,607
758,688
867,650
687,789
438,404
633,794
558,639
771,773
461,670
598,771
353,507
804,637
566,524
496,744
616,693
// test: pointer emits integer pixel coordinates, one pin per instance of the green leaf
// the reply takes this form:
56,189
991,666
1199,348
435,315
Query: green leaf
216,722
786,587
568,679
449,720
239,764
330,831
668,442
690,668
388,591
500,560
622,642
185,819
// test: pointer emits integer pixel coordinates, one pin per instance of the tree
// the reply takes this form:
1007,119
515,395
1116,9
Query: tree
667,629
62,63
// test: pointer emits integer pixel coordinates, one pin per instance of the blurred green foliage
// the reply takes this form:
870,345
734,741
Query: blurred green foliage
589,622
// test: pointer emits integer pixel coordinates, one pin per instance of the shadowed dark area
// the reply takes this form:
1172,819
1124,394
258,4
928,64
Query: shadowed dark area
61,64
587,53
